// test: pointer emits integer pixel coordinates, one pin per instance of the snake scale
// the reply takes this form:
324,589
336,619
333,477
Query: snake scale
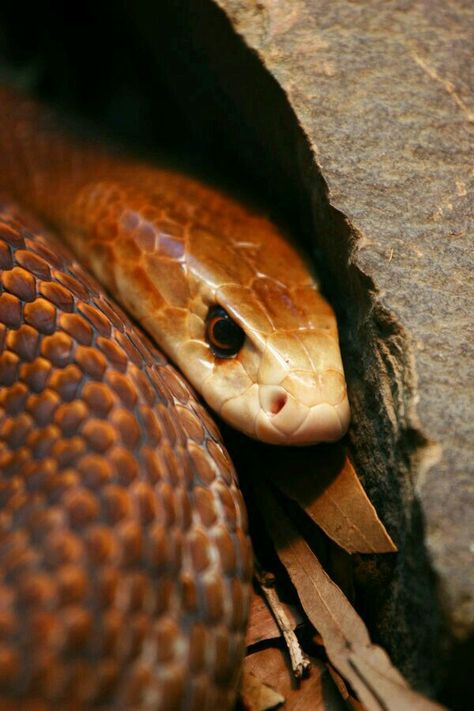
125,563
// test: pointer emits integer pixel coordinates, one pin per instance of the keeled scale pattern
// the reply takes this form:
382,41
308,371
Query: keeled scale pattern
124,558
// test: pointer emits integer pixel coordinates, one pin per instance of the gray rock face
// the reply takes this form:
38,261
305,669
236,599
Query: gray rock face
355,118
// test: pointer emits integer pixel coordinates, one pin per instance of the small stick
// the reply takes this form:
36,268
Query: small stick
300,663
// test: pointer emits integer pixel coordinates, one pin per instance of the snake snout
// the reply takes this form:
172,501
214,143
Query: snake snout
306,411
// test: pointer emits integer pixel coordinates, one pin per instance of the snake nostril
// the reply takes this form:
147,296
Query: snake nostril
273,398
278,404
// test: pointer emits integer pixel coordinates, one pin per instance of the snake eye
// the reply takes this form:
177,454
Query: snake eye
222,333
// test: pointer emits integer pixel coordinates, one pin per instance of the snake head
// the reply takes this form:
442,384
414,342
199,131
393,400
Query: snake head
283,385
233,303
265,353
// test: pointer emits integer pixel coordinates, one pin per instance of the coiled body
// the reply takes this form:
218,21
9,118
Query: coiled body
124,560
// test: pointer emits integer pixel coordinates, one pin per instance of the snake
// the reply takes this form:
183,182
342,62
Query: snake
125,561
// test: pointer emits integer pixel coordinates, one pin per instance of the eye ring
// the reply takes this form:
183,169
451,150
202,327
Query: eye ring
223,334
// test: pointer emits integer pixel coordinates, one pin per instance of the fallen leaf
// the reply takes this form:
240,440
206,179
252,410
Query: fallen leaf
344,691
365,666
256,695
328,489
316,692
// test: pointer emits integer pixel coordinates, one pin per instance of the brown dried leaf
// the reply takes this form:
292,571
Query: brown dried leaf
316,692
344,691
364,665
330,492
256,695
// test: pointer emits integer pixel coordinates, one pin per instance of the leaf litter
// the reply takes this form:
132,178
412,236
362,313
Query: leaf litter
306,608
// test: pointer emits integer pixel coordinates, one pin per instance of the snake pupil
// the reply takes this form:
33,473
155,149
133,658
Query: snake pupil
222,333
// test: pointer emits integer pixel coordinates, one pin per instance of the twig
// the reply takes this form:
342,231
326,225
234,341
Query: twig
300,663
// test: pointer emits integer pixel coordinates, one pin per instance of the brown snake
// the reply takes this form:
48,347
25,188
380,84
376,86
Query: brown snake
125,562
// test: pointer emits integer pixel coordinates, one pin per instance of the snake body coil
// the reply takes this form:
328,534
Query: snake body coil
124,559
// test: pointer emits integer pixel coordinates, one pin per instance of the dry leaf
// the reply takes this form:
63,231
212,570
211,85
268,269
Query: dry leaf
317,692
330,492
255,695
365,666
344,691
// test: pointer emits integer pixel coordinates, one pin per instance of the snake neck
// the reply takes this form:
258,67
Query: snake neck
170,249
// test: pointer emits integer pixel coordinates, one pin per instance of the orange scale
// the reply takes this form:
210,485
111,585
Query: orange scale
145,235
66,382
33,263
6,259
58,348
168,277
78,623
69,416
198,542
98,397
250,313
42,406
25,342
138,629
116,503
153,464
127,426
54,257
130,534
125,465
61,547
98,320
20,283
13,399
95,471
102,545
77,327
67,451
35,374
57,294
8,368
205,505
143,385
10,310
171,246
145,501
